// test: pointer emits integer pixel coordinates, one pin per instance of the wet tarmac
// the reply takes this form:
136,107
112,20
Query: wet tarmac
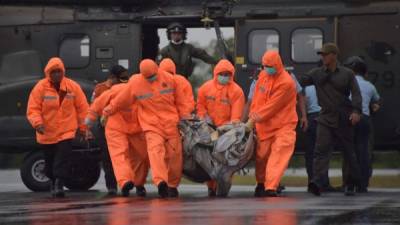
19,206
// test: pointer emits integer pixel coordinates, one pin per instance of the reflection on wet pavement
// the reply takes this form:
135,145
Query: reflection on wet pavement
295,208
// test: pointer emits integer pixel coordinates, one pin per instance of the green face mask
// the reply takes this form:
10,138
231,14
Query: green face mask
223,79
152,78
270,71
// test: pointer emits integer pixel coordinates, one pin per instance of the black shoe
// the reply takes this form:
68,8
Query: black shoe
259,191
112,191
128,186
314,189
212,193
270,193
280,188
59,189
331,189
162,189
362,190
173,192
349,191
141,191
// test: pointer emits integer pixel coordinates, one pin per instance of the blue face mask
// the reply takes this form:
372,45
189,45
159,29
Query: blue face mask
223,79
152,78
270,71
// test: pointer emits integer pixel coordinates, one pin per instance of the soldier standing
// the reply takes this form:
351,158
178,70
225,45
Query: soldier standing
338,116
182,53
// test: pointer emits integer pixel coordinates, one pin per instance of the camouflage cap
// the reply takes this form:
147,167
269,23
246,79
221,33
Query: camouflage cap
329,48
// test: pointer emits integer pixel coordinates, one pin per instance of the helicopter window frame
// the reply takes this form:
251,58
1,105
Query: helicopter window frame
71,61
317,58
249,44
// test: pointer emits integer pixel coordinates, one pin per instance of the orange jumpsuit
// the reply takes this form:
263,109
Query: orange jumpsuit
60,113
222,103
125,139
169,66
161,104
273,110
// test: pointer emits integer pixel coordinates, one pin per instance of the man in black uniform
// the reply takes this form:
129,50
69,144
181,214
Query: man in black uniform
339,114
182,53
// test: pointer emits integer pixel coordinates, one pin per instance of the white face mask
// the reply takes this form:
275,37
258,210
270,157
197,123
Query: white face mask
176,42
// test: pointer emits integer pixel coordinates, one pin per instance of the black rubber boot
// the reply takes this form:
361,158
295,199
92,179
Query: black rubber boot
141,191
59,188
270,193
349,191
173,192
162,189
128,186
260,190
280,188
314,189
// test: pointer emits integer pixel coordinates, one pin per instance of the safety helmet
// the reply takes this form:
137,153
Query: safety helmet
176,27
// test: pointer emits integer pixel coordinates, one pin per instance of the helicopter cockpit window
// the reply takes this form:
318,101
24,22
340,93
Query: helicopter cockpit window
260,41
75,51
305,44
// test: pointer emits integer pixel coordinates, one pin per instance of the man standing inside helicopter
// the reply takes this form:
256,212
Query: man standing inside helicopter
181,52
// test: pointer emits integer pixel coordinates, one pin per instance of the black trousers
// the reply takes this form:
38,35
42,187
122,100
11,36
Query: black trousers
57,159
311,136
111,182
326,139
361,139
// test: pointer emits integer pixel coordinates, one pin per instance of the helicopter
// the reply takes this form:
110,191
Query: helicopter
90,36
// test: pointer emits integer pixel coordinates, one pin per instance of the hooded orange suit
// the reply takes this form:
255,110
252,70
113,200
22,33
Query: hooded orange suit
169,66
222,103
161,104
125,139
273,110
61,113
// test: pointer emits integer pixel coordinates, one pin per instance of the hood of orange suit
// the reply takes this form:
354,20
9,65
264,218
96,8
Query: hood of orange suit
224,66
272,58
148,67
54,63
168,65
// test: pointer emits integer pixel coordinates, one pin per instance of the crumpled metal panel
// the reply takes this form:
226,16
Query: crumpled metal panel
218,160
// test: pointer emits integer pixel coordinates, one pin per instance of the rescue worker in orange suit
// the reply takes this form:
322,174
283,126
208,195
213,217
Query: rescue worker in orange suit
118,74
273,111
220,100
125,140
169,66
161,104
56,109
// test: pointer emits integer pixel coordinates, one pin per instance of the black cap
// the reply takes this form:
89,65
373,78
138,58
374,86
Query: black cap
176,27
357,64
117,70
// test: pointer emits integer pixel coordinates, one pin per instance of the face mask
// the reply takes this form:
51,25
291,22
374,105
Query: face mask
223,79
152,78
176,42
270,71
